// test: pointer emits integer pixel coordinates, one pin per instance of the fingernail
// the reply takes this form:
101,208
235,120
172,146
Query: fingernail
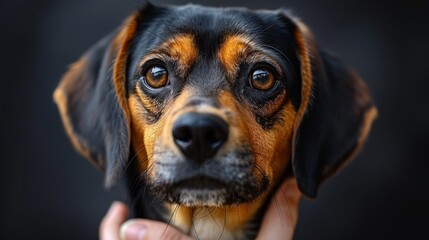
132,230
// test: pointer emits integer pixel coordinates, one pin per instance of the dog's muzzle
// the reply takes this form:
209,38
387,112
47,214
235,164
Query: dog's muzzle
204,169
199,136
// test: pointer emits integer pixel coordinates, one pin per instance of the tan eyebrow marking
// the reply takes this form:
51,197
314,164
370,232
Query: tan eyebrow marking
233,49
237,48
180,48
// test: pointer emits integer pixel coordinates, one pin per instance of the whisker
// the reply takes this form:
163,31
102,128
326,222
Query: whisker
212,217
171,33
279,211
157,198
269,160
195,231
166,25
131,160
284,55
195,214
224,223
210,211
247,44
134,191
157,35
289,209
169,221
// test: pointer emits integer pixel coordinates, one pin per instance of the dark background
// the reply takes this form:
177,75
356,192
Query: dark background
49,192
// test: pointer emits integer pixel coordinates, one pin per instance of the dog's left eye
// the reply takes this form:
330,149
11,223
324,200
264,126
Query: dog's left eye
156,77
262,79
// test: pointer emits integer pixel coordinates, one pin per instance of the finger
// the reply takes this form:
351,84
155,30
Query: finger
282,213
109,226
139,229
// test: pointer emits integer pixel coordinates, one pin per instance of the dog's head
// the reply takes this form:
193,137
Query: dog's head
215,103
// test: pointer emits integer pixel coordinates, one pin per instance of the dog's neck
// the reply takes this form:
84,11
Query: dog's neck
234,222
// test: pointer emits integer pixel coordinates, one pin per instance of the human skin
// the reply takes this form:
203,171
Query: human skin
279,220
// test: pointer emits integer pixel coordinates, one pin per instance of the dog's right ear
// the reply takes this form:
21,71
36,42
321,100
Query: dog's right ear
334,118
92,101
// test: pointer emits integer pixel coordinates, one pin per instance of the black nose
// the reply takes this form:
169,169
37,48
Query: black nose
199,136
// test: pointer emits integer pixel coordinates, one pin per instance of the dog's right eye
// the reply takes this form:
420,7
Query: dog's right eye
156,77
262,79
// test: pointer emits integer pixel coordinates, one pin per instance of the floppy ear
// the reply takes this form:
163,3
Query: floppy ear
91,99
334,117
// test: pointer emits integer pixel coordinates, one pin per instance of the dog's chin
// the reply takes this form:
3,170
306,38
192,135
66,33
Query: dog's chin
207,197
226,180
198,197
209,192
198,191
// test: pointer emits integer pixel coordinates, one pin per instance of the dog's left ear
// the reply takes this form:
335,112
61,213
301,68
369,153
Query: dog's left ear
334,117
92,102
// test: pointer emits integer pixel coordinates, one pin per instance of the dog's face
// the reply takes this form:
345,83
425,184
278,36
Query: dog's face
213,97
215,104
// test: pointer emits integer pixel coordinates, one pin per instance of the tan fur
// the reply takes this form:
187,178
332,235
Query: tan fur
137,125
60,98
149,104
183,48
180,48
238,48
232,51
369,116
122,43
305,45
209,222
271,152
306,48
272,149
272,106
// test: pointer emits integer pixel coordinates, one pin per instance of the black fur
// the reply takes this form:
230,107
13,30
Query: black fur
327,134
94,111
329,131
272,31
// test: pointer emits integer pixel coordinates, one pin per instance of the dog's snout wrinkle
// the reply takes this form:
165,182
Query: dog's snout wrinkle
199,136
201,101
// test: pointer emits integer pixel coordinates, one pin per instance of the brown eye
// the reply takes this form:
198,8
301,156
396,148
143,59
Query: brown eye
262,79
156,77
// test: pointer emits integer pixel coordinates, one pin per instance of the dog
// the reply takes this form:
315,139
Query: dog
205,111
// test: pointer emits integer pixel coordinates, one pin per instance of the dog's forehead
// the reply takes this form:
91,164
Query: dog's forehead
218,21
210,26
208,36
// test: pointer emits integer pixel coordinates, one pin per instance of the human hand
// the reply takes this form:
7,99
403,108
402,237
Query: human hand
279,220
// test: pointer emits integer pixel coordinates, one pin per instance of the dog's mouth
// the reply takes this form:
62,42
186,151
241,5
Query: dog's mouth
225,180
205,190
198,191
200,183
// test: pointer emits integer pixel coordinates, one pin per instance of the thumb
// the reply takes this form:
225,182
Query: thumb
282,212
139,229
